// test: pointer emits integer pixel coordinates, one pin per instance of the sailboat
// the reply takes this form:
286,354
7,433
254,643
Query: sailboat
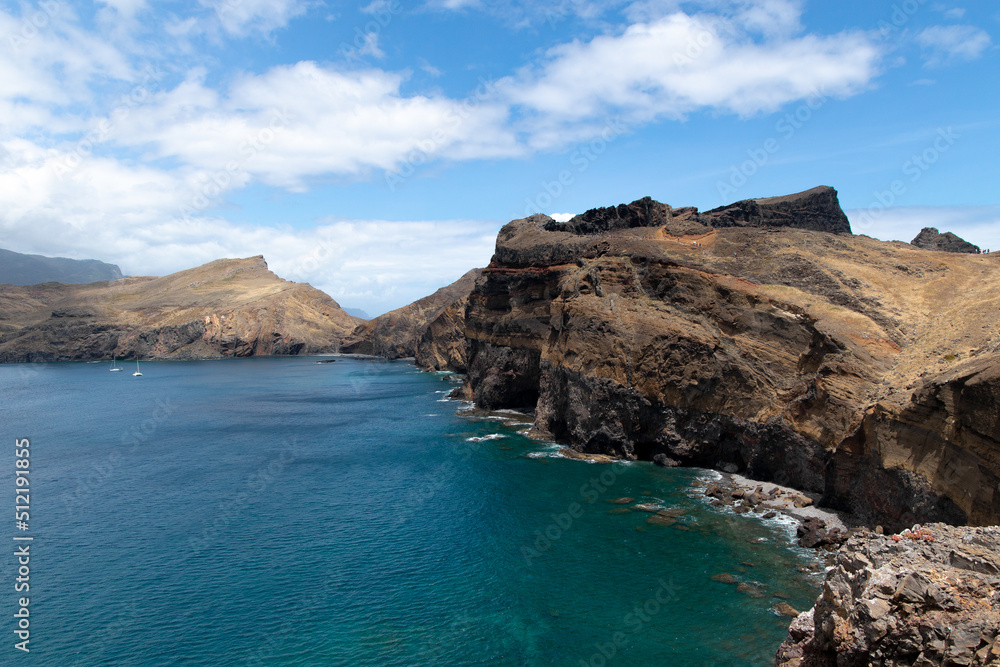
114,364
137,373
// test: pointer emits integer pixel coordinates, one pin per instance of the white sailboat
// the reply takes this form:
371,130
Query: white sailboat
137,373
114,365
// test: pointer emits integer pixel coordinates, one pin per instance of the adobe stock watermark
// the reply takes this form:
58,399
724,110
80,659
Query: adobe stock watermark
427,147
213,185
901,14
94,479
365,36
563,522
914,168
84,148
710,31
230,509
581,159
632,624
33,23
439,479
786,128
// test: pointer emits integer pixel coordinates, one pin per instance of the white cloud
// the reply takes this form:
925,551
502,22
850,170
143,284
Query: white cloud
242,17
953,43
131,216
49,67
680,64
562,217
979,225
293,122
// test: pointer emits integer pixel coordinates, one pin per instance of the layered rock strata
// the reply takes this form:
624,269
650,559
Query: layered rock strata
227,308
398,333
860,370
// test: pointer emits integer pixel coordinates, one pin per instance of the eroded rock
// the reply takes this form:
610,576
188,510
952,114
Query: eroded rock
904,600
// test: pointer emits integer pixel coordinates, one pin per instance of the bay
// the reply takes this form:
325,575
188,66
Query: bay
284,512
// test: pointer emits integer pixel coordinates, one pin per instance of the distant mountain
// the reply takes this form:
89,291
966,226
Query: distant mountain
357,312
19,269
227,308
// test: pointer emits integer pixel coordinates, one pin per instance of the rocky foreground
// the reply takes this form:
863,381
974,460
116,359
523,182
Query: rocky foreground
927,596
227,308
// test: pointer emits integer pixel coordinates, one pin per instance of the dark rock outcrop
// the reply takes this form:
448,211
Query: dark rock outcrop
817,209
930,238
928,596
228,308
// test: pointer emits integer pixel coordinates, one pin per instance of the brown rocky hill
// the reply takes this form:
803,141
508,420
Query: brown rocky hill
866,371
227,308
396,334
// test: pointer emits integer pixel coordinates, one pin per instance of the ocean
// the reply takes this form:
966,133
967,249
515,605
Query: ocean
284,512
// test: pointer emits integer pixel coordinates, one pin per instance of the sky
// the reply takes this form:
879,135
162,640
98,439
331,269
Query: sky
374,149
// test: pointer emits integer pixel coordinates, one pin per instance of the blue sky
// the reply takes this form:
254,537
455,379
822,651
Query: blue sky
374,149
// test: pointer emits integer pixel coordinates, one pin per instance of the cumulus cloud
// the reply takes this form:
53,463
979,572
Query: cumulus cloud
50,67
131,215
679,64
302,120
953,43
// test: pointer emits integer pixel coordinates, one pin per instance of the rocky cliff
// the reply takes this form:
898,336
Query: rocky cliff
930,238
228,308
928,596
397,334
794,351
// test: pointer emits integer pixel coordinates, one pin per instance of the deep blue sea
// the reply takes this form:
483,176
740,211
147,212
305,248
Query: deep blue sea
284,512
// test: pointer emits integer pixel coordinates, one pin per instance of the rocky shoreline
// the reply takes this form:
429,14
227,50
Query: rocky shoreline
927,596
857,381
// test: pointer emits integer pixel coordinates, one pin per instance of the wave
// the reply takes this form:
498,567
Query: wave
491,436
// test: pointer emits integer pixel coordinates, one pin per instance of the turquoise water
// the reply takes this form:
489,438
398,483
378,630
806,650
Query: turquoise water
283,512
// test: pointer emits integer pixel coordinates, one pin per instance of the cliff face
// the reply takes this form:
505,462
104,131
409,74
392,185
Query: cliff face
228,308
788,352
929,596
930,238
948,433
396,334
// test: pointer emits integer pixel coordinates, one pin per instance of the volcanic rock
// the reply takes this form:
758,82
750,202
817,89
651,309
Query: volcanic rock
930,238
399,333
928,596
